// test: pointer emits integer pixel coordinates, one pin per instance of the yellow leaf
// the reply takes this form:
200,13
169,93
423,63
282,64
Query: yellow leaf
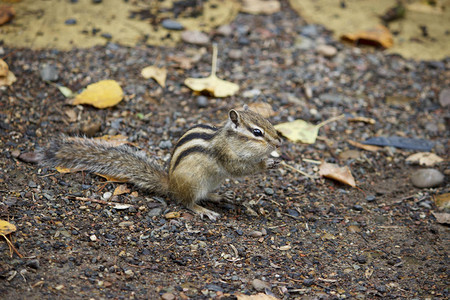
302,131
158,74
102,94
299,131
424,159
341,174
6,227
212,84
378,36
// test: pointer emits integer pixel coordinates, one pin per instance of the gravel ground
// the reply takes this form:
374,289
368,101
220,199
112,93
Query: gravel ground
286,235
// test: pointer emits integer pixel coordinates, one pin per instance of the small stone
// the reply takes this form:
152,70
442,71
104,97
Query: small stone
292,212
426,178
235,54
357,207
70,22
370,198
155,212
362,259
326,50
172,25
93,238
260,285
444,97
225,30
195,37
202,101
165,145
107,195
32,184
308,281
15,153
48,72
310,31
168,296
129,273
255,234
381,288
269,191
34,263
214,287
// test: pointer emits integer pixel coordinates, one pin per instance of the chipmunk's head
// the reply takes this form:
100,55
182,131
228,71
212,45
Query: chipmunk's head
252,132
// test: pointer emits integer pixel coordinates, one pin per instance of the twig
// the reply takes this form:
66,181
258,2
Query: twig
297,170
98,201
330,120
11,246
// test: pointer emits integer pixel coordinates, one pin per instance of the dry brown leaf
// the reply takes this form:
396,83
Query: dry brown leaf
442,201
7,12
424,159
260,7
6,227
262,108
102,94
173,215
6,76
378,36
364,147
341,174
442,218
212,84
158,74
121,189
259,296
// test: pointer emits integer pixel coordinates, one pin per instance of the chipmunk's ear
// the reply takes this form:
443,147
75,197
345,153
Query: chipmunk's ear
234,117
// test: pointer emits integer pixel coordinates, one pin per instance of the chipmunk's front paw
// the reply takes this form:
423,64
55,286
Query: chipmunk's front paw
201,211
272,163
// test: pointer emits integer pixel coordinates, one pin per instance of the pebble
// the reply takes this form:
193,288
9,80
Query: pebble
202,101
168,296
235,54
155,212
195,37
260,285
107,36
269,191
214,287
93,238
225,30
70,22
172,25
444,97
326,50
370,198
362,259
48,72
308,281
292,212
34,263
357,207
426,178
255,234
165,145
32,184
107,195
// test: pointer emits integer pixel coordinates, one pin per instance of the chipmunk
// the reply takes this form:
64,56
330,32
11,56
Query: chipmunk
202,158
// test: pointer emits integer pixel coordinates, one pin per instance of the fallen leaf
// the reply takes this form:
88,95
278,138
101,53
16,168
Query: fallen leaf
102,94
7,12
302,131
6,227
341,174
212,84
442,201
424,159
257,7
121,189
442,218
65,91
365,147
173,215
262,108
7,77
379,36
158,74
259,296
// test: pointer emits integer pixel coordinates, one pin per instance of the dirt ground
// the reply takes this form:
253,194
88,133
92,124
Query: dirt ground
286,235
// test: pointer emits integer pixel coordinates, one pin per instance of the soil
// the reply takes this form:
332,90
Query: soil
303,238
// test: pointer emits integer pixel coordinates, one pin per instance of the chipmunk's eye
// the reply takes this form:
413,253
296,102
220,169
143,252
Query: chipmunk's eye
257,132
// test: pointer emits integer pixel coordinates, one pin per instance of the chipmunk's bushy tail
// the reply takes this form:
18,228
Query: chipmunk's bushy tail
102,157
